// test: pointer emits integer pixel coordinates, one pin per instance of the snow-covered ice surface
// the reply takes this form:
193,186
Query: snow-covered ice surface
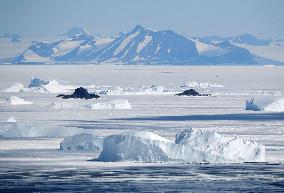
30,159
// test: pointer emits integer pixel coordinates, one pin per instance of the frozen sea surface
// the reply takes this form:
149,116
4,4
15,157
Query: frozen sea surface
36,164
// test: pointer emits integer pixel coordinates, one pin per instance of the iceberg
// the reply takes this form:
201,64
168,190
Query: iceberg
11,120
13,100
190,145
20,129
16,87
265,103
80,142
37,82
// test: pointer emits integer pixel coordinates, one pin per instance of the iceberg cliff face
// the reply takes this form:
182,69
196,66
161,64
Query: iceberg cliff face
191,145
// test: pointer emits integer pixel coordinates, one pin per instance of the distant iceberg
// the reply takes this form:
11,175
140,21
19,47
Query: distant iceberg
11,128
265,103
13,100
80,142
191,145
16,87
37,82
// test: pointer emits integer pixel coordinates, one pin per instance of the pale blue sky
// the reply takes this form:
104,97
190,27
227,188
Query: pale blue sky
263,18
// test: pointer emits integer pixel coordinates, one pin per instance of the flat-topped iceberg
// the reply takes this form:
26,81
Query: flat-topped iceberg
80,142
265,103
13,100
11,128
191,145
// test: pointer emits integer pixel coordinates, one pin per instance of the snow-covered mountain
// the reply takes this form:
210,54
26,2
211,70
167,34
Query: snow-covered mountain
71,49
76,30
142,45
145,46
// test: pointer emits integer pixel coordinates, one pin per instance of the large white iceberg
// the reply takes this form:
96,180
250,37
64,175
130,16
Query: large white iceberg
13,100
265,103
116,104
191,145
80,142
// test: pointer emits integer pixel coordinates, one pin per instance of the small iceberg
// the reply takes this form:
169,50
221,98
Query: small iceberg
80,142
37,82
16,87
11,120
190,145
13,100
265,103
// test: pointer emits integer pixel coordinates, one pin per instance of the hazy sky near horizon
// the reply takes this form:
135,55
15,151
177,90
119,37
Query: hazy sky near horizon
263,18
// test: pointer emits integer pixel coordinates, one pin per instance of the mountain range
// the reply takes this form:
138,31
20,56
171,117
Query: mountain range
146,46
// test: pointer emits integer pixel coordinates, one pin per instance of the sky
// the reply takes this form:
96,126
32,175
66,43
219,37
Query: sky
36,18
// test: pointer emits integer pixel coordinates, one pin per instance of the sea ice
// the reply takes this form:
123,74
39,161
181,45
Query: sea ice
191,145
82,142
116,104
13,100
198,85
143,90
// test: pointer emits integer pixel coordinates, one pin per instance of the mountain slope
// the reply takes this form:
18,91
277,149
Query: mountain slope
141,46
146,46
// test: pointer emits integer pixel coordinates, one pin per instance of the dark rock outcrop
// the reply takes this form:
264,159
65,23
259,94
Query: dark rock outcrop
80,93
191,92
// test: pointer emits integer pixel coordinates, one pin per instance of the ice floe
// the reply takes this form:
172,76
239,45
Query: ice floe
13,100
143,90
191,145
115,104
80,142
57,106
265,103
199,85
